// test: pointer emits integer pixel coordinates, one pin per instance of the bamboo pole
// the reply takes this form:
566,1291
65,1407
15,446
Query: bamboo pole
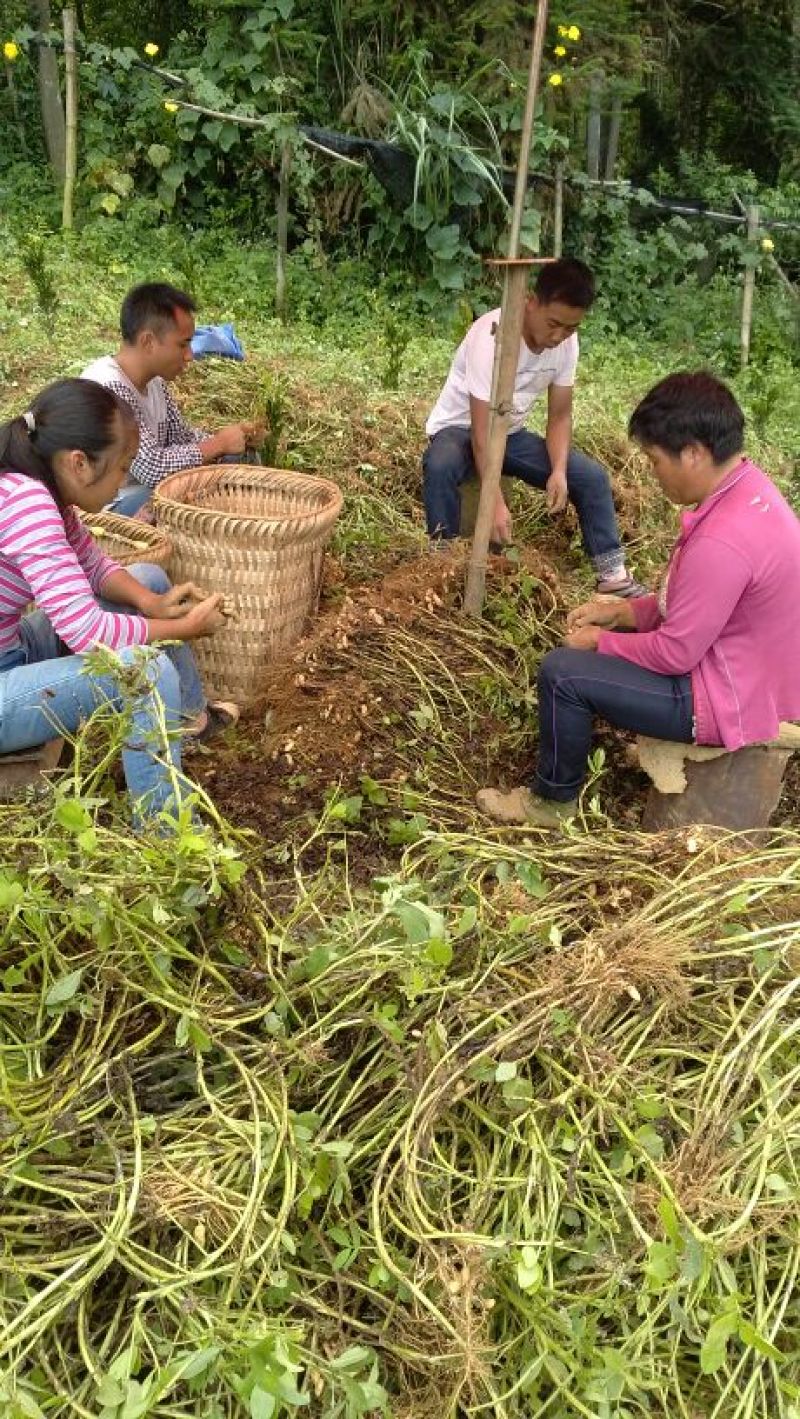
594,124
558,211
614,130
749,287
71,94
282,230
506,349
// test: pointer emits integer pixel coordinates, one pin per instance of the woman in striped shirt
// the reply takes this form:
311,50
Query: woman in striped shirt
73,449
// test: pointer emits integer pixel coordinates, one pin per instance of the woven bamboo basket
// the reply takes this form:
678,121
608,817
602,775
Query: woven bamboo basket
257,535
127,541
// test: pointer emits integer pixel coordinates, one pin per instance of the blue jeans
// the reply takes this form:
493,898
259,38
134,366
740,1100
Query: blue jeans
130,500
448,461
576,685
132,497
44,694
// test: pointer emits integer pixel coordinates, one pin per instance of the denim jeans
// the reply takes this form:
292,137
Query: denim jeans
448,461
132,497
577,685
130,500
44,694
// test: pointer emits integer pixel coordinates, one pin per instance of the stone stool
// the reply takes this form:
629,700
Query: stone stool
21,771
694,784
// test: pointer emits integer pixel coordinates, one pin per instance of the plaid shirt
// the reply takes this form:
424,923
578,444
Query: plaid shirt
175,446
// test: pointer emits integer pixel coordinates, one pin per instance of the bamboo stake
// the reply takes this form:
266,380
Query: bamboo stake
71,149
748,291
558,211
506,350
282,230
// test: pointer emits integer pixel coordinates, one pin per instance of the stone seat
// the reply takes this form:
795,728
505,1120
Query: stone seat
737,789
24,770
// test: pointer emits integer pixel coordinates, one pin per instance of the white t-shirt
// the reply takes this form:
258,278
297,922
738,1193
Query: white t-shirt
151,406
471,374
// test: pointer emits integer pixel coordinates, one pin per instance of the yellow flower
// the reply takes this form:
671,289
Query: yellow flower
573,32
560,51
10,50
151,50
170,107
767,244
555,80
563,31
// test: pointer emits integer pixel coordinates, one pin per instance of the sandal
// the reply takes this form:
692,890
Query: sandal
219,717
628,589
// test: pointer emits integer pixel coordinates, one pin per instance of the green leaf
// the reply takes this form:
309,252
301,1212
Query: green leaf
750,1336
158,154
714,1350
506,1069
351,1359
262,1405
439,952
11,892
63,989
73,816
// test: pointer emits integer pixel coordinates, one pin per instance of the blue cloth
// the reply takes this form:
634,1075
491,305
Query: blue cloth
43,693
217,340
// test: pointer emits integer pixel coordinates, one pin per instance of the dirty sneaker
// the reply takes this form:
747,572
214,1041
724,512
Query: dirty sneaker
520,806
628,588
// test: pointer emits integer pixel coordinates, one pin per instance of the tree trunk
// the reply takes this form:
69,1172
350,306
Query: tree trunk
55,136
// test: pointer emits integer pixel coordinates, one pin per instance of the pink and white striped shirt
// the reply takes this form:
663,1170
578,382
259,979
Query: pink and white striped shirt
49,557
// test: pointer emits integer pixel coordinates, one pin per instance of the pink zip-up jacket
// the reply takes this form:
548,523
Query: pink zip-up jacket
732,612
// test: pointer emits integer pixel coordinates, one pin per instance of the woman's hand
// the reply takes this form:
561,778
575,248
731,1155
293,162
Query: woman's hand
173,604
609,612
204,619
584,639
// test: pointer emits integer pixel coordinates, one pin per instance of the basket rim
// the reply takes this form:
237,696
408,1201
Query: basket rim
128,528
330,509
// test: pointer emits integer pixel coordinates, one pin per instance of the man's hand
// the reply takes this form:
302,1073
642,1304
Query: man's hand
255,431
584,639
230,439
556,489
607,612
501,528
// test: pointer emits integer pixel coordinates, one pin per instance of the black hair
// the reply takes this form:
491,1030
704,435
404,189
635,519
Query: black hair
152,307
70,414
565,280
687,408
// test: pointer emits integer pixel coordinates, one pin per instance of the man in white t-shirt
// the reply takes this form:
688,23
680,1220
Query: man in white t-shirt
157,324
458,427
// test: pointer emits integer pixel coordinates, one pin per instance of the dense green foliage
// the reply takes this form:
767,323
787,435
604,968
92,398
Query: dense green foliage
448,91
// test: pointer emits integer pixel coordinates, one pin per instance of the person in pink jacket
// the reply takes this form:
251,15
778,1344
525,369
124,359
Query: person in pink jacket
714,657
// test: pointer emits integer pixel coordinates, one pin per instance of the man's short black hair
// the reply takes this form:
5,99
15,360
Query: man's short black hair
152,306
565,280
689,408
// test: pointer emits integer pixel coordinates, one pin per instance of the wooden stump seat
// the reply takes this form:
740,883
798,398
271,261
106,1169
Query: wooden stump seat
693,784
470,491
24,770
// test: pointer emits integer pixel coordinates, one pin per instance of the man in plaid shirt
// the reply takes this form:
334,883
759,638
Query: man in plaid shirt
157,324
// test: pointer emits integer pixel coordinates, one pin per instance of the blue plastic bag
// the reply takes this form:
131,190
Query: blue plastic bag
216,340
